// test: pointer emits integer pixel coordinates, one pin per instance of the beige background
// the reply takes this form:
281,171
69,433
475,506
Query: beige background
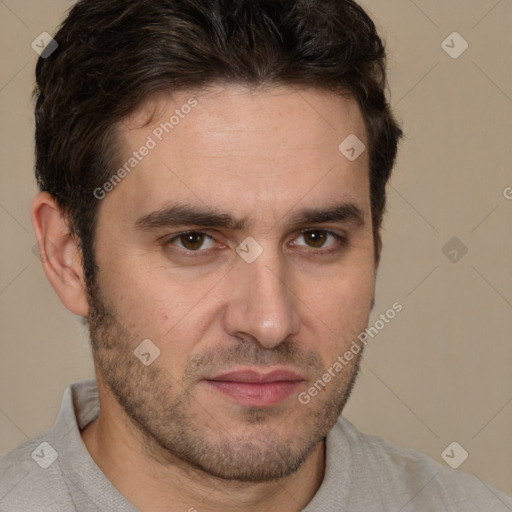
441,370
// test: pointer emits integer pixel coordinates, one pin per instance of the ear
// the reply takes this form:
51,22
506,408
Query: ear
60,254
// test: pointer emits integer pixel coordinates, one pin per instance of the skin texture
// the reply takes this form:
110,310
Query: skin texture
165,438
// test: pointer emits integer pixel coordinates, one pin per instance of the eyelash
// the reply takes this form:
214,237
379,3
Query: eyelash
342,243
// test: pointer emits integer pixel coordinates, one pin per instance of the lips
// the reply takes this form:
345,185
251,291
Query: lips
256,388
254,376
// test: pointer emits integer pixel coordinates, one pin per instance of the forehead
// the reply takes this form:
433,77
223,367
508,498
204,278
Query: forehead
243,147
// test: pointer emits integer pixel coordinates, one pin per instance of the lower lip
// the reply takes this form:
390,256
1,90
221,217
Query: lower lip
256,394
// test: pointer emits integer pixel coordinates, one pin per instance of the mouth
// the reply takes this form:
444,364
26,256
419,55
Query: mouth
257,388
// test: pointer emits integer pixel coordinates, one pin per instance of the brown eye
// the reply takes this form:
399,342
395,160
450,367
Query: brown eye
315,239
191,241
323,239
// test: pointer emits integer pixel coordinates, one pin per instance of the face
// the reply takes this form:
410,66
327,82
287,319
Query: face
240,244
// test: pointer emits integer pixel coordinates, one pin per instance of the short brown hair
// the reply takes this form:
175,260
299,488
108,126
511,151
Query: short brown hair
115,54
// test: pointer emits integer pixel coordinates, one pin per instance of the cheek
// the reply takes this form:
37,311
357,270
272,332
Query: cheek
337,309
341,303
153,303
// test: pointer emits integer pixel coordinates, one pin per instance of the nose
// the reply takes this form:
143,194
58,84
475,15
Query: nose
261,303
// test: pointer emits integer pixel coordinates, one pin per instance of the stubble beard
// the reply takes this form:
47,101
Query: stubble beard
174,428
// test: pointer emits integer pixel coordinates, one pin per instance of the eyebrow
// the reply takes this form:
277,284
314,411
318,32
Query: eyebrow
181,215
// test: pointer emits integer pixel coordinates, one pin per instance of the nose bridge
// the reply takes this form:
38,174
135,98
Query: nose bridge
265,304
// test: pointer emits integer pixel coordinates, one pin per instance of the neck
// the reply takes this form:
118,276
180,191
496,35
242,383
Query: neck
149,483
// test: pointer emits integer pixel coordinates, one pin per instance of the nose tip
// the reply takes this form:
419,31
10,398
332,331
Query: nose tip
264,306
273,328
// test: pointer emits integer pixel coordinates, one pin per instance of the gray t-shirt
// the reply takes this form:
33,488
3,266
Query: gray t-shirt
53,472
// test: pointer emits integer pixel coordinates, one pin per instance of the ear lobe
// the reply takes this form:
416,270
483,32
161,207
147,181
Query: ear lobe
59,253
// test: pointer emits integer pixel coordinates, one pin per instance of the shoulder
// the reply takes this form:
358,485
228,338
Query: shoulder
30,478
411,475
36,474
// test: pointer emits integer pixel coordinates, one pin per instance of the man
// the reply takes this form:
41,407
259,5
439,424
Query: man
212,181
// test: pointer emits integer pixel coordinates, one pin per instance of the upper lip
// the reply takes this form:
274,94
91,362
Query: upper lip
259,376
